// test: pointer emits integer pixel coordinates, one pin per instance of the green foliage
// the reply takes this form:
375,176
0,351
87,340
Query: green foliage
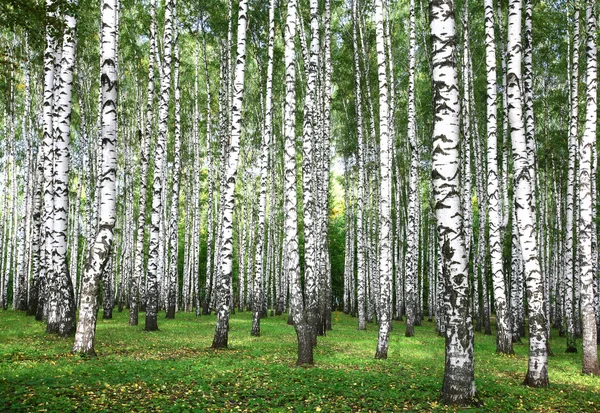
174,370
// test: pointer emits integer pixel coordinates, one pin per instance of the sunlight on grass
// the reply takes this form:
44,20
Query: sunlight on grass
174,369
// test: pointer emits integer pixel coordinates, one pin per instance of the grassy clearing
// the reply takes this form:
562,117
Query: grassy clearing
173,370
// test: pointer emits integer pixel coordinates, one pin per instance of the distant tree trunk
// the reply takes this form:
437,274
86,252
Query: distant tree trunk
587,201
385,197
262,203
459,383
145,140
504,338
361,198
211,184
173,275
224,282
537,375
36,238
101,249
154,253
412,248
22,278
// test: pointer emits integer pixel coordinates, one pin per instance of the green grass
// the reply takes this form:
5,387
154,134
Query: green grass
174,370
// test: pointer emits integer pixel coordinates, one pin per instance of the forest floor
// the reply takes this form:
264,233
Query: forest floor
174,370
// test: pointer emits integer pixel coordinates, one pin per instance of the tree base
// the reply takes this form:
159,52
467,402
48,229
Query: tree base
461,401
410,330
170,313
255,325
536,382
304,334
381,355
219,343
61,329
151,324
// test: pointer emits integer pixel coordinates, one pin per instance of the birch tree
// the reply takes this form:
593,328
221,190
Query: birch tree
262,203
413,184
100,250
385,196
537,374
504,337
587,201
459,380
224,282
144,153
154,256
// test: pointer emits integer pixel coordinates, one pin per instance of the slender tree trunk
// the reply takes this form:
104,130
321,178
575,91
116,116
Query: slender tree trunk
413,185
504,337
262,203
570,201
145,140
361,198
587,201
173,275
385,197
154,253
227,196
101,249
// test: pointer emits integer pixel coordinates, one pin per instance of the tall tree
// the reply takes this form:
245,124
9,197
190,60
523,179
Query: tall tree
587,175
291,255
100,250
537,374
145,140
160,153
504,336
385,195
412,242
361,198
459,373
61,314
262,203
224,282
572,155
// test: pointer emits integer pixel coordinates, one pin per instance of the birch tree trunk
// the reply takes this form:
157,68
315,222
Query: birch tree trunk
101,249
154,256
173,275
385,196
413,184
224,282
292,260
459,382
262,202
361,198
61,314
587,201
504,337
537,374
145,140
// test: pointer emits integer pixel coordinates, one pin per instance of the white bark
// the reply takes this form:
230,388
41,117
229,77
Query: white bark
101,249
224,282
537,375
587,201
459,383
